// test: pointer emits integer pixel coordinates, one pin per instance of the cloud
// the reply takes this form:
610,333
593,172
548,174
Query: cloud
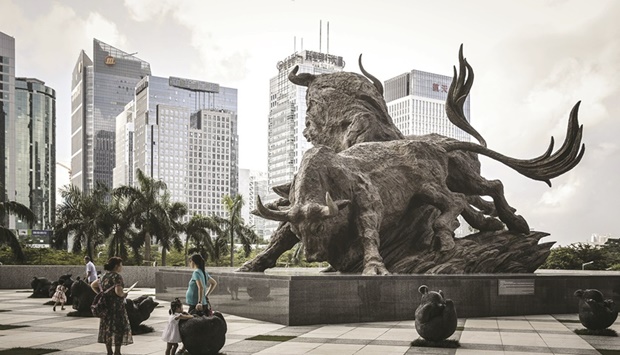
220,57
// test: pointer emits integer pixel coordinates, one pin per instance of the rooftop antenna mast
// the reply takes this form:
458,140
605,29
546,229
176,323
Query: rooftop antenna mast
320,34
327,37
294,44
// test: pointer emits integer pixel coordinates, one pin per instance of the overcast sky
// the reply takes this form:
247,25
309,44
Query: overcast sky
533,61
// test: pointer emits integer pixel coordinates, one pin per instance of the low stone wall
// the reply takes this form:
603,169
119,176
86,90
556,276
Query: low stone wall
20,276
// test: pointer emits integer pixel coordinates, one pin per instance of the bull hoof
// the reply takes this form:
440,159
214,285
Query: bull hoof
375,269
519,225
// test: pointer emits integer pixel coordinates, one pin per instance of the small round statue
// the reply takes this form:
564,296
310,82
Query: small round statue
595,312
435,317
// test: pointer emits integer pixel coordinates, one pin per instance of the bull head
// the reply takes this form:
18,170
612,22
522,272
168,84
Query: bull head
303,79
330,209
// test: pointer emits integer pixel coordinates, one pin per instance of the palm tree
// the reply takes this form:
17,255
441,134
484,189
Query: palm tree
169,236
87,215
123,232
147,211
197,231
234,226
7,236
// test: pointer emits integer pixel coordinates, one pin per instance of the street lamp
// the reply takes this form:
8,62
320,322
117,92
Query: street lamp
584,264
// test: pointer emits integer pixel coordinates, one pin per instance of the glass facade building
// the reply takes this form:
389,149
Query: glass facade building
183,132
101,88
287,116
416,102
28,114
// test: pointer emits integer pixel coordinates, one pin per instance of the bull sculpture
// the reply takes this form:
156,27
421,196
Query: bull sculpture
366,199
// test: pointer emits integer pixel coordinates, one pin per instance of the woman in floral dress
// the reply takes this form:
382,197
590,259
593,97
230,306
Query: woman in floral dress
114,328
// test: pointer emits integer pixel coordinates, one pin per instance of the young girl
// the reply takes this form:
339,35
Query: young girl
60,297
171,334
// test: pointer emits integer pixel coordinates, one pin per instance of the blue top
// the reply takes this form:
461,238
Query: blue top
192,289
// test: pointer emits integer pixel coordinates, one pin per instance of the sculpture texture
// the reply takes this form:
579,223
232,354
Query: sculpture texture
366,199
435,317
595,312
203,335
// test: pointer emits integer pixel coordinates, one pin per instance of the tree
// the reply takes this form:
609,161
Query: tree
87,215
123,232
197,231
169,235
234,226
7,236
147,210
573,256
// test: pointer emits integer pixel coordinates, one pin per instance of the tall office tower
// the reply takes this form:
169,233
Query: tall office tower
416,102
252,183
35,136
7,112
28,115
258,187
183,132
101,88
287,116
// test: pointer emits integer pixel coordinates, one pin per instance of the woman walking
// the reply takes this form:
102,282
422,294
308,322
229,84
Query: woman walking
114,328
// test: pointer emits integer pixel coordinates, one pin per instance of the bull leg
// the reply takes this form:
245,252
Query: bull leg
486,207
369,232
283,239
478,220
495,189
451,205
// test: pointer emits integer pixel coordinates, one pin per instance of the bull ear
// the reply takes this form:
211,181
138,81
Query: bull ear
282,190
578,293
342,203
423,289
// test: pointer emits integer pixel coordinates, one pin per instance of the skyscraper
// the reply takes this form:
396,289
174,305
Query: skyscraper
184,132
28,116
287,116
252,183
101,88
416,102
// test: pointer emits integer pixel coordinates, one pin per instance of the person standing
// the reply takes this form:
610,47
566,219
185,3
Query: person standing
114,328
171,334
196,297
91,272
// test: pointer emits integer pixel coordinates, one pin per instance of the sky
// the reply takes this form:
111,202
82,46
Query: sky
533,60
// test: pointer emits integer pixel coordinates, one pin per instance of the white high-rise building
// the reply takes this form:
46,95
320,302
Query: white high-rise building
252,183
416,102
183,132
287,117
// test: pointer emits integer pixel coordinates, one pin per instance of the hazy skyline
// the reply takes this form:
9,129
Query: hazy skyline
533,61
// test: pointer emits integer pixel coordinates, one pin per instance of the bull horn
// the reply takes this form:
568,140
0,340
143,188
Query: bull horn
331,208
267,213
374,80
303,79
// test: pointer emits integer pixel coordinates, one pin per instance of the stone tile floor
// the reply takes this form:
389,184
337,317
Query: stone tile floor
537,334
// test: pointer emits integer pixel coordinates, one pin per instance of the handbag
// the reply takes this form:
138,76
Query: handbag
99,307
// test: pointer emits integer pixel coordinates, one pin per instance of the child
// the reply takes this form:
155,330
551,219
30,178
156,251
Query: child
59,297
171,334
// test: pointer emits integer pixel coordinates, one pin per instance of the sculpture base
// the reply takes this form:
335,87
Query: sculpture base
305,296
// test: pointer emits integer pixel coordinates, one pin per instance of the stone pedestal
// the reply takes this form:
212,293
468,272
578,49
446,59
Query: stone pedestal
304,297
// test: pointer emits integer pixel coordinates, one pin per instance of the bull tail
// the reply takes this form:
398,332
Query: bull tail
457,94
546,166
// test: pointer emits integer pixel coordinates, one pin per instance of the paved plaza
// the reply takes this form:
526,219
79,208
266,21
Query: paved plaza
540,334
